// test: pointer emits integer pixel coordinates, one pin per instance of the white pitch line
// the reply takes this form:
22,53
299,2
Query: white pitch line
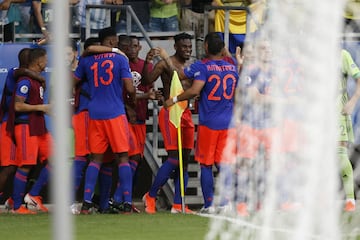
241,222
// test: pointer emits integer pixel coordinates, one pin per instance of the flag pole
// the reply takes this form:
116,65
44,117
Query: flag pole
181,171
176,112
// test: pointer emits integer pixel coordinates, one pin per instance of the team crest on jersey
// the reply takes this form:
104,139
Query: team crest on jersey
24,89
353,65
248,80
136,77
41,92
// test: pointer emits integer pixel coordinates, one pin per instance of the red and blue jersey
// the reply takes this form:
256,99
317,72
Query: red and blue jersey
8,90
105,73
23,90
82,96
217,96
257,114
285,84
141,107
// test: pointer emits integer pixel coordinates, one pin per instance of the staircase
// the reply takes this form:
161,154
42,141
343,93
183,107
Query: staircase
155,154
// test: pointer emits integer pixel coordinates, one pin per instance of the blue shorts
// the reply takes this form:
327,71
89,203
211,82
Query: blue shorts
170,24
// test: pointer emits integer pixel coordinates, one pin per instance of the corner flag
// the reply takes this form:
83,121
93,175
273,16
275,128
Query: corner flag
176,112
178,108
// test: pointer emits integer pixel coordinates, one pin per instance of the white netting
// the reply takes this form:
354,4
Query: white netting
292,194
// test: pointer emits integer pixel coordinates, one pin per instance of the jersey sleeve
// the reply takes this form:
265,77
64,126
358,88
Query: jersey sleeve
349,66
80,70
125,71
23,88
194,70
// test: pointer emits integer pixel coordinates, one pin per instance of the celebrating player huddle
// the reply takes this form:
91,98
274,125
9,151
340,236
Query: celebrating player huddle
112,86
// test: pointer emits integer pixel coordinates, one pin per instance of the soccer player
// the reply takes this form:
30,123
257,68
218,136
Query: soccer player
7,152
26,125
80,125
107,74
143,93
179,60
138,113
215,81
345,107
259,128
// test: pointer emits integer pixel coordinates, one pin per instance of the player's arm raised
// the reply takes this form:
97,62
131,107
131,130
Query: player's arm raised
31,74
94,49
191,92
159,68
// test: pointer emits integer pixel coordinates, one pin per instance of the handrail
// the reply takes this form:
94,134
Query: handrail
154,165
155,141
128,9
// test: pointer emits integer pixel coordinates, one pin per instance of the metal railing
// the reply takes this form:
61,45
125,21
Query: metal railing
227,10
130,15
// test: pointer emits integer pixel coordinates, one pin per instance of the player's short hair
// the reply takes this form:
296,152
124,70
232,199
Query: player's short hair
36,53
182,36
91,41
106,32
23,56
124,38
215,43
124,41
134,37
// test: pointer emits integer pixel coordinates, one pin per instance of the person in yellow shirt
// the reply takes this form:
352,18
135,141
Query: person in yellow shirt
352,16
238,20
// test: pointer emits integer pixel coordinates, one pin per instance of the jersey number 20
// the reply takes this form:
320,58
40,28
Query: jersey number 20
224,85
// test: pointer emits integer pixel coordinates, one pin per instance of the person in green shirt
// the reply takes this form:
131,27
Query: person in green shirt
163,16
345,106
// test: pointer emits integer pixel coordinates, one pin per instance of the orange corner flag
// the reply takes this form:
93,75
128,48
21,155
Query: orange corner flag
178,108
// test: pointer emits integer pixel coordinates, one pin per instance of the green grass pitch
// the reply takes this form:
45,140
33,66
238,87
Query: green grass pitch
99,226
160,226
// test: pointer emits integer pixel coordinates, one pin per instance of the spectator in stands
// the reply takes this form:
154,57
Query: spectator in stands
192,19
74,21
163,16
99,18
238,20
37,23
352,16
27,23
142,11
9,15
5,4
